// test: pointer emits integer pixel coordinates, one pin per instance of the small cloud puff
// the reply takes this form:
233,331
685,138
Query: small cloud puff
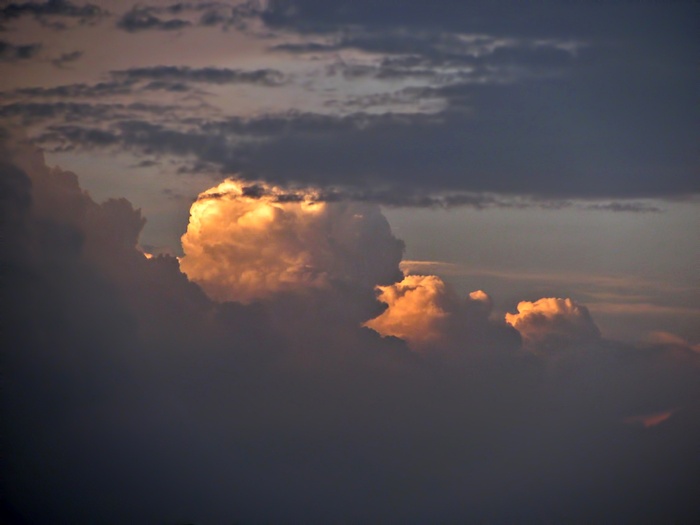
551,323
418,309
425,312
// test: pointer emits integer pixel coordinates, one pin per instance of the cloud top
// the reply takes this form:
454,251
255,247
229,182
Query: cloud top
417,310
249,241
552,322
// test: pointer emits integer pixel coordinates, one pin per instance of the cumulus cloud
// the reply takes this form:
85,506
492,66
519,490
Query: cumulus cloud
553,323
416,309
249,241
427,313
129,396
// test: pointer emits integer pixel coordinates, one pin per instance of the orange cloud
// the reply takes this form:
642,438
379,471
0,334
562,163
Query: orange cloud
417,309
482,297
650,420
246,242
667,338
553,322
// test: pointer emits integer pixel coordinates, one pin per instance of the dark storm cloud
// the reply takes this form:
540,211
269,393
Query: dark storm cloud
520,105
47,12
589,98
11,53
131,397
509,139
506,18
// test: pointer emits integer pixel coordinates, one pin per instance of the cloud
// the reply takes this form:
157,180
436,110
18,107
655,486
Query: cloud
325,150
213,75
67,58
144,18
178,16
416,310
11,53
553,323
248,241
667,338
77,90
21,101
47,12
428,314
528,102
394,153
547,18
546,151
131,396
637,308
649,420
438,56
537,87
74,135
638,207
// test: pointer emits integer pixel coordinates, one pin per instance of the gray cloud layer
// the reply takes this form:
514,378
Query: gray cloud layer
450,151
533,101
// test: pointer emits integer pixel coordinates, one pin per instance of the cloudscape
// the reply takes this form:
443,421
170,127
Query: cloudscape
298,261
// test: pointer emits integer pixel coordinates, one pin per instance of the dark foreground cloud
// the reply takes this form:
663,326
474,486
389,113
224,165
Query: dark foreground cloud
129,396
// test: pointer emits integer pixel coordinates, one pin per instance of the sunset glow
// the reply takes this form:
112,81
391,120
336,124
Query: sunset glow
650,420
349,261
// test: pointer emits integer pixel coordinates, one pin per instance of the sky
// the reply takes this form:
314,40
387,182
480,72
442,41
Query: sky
349,261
